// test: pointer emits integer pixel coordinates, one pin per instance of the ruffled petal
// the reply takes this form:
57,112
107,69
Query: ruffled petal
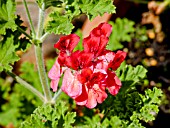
92,99
54,85
71,85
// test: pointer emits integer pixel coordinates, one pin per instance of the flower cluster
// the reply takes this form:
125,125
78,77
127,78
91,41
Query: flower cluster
87,73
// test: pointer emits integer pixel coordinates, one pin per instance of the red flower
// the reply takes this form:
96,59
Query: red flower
67,43
87,73
93,91
79,60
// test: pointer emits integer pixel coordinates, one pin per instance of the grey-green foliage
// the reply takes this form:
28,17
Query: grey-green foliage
49,116
121,32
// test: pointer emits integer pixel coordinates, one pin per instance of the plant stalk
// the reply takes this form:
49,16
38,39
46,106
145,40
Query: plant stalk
42,72
29,18
56,95
28,86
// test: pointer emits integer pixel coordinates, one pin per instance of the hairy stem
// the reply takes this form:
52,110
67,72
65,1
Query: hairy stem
44,37
28,86
42,72
29,18
41,21
56,95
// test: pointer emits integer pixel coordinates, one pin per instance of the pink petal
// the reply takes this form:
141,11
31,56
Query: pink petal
54,85
71,85
54,73
91,101
101,94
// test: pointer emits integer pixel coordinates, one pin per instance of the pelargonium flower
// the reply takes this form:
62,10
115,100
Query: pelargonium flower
90,72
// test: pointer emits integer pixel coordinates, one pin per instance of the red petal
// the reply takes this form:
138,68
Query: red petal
119,58
67,42
103,29
113,83
82,99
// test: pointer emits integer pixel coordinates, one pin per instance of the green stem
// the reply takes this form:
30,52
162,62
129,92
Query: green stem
44,37
56,95
29,18
41,21
26,34
42,72
28,86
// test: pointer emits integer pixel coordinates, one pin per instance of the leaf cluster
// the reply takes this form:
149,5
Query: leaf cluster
49,116
11,41
60,22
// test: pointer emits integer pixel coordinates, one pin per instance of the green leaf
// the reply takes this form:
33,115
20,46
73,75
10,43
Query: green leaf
49,116
60,24
7,54
122,30
7,16
94,8
131,75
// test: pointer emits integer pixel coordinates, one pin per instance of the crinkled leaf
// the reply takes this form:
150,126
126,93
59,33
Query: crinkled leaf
50,116
151,101
7,16
122,30
132,74
61,24
7,54
94,8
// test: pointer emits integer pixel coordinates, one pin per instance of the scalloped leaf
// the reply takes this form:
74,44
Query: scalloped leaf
7,16
7,54
50,116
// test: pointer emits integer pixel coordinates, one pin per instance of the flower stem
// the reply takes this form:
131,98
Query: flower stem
44,37
28,86
42,72
29,18
56,96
